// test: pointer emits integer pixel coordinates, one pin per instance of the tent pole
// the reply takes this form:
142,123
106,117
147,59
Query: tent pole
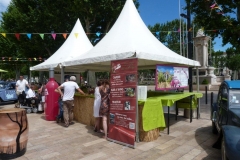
30,75
62,73
198,91
197,80
180,35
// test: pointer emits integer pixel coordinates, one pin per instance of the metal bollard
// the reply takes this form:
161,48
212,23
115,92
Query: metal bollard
211,98
211,105
206,94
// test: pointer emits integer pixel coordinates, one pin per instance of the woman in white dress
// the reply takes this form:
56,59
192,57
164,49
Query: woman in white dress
96,107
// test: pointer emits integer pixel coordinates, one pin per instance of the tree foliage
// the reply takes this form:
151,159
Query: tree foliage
38,16
232,59
219,60
168,34
223,19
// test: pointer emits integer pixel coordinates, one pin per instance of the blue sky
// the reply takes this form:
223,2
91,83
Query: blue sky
152,12
161,11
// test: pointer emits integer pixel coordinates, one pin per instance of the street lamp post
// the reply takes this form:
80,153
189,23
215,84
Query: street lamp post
190,43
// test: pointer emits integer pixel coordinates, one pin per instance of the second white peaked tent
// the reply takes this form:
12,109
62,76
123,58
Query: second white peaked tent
75,45
129,37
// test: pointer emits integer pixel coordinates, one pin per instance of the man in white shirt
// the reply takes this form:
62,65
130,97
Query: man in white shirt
20,89
30,94
68,97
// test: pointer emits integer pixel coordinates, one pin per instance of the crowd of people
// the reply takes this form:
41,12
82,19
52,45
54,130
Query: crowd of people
26,92
66,98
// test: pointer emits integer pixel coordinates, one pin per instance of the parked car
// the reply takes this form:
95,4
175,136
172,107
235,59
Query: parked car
7,92
226,119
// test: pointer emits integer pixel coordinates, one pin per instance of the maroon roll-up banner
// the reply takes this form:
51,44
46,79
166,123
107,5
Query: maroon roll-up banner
123,101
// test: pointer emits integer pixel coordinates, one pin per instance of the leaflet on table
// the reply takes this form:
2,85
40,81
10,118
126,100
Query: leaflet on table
170,77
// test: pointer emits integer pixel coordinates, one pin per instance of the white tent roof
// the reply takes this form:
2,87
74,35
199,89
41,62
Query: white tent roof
129,37
75,45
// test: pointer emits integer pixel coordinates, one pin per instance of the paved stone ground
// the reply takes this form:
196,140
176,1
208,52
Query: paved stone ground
186,141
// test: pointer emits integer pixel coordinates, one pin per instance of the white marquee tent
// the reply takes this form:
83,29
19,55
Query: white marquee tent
129,37
75,45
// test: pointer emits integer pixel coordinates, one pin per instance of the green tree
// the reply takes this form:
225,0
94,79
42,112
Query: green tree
220,19
38,16
168,34
219,60
232,59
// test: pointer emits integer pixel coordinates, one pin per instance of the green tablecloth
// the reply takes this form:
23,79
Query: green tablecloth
152,114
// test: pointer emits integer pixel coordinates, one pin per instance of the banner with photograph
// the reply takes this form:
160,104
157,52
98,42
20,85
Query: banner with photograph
170,77
123,101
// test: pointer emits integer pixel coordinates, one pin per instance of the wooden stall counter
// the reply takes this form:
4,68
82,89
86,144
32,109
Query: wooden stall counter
83,109
150,113
83,113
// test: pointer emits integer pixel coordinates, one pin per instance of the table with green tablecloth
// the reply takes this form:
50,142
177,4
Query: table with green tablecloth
152,114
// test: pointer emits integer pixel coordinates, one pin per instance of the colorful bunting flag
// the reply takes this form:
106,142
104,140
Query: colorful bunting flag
212,6
98,34
4,34
29,35
64,35
42,36
17,35
54,35
76,35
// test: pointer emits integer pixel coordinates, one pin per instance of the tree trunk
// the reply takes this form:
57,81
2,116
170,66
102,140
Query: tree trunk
87,26
17,72
107,27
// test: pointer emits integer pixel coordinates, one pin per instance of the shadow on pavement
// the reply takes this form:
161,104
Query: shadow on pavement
92,132
205,138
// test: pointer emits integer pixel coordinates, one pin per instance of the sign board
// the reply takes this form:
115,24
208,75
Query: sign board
171,77
123,101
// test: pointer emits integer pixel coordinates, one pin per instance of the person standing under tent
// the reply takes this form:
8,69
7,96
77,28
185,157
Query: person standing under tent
96,106
68,97
21,85
60,105
105,102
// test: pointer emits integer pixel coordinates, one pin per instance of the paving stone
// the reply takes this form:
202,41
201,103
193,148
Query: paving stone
49,140
147,146
93,156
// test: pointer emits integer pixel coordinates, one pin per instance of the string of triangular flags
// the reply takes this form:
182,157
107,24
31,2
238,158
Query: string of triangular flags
190,30
22,59
54,35
219,10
